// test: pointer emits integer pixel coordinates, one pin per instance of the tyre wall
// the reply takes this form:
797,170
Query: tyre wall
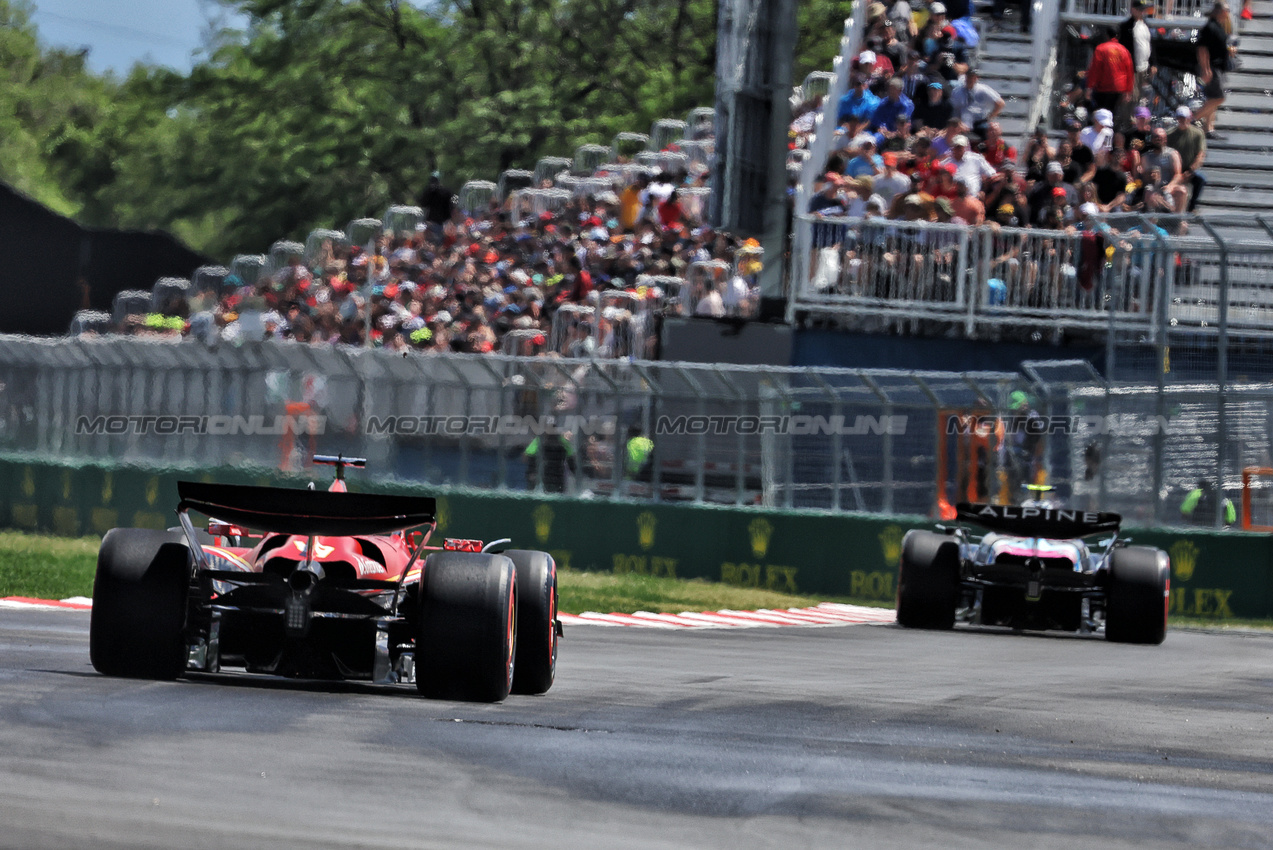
1214,575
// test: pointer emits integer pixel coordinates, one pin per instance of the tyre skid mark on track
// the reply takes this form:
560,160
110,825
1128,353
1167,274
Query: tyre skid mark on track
826,614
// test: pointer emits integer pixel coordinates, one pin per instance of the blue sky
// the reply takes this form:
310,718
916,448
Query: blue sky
119,33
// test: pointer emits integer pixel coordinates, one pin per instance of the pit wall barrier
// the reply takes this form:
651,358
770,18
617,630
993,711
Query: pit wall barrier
1214,575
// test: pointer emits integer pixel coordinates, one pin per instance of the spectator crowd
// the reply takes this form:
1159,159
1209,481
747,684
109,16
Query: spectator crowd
917,137
593,276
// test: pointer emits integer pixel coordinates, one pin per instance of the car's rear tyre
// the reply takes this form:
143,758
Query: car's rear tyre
536,663
466,646
928,582
1136,595
140,594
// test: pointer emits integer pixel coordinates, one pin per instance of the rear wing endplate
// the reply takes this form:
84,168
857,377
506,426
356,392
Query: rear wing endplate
1054,523
306,512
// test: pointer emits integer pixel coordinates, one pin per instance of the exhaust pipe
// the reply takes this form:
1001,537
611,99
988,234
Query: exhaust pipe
305,578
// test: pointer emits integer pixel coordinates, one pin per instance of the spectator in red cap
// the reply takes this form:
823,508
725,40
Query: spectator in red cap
1042,197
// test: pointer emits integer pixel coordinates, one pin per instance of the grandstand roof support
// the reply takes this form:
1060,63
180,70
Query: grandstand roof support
755,43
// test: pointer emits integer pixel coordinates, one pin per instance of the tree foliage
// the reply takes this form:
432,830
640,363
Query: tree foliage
327,110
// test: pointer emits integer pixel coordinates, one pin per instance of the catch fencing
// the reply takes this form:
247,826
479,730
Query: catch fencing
876,441
775,437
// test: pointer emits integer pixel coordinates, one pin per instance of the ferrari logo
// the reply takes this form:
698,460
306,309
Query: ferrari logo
443,514
152,490
891,544
28,482
759,530
108,488
543,517
66,485
645,528
1184,557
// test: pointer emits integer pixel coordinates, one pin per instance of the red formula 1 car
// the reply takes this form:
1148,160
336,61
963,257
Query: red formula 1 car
332,589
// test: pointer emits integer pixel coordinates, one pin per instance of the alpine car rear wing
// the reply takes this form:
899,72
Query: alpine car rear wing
1048,523
305,512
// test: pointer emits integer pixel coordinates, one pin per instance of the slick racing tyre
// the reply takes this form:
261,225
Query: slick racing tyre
1136,595
137,627
467,638
536,662
928,584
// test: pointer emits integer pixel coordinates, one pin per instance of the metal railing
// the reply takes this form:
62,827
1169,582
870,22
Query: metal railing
824,125
1122,8
1043,62
1136,276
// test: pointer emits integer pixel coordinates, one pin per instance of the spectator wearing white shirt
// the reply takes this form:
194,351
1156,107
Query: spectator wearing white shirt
1100,136
661,189
970,166
736,295
974,102
1134,34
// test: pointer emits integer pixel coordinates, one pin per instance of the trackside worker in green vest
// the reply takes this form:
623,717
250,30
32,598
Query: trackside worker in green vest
637,452
559,454
1200,506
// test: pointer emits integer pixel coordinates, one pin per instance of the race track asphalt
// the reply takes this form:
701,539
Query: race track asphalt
858,736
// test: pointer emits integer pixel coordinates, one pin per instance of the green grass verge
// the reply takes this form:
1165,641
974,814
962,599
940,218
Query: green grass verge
46,567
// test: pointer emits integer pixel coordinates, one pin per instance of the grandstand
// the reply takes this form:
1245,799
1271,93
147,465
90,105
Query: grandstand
489,273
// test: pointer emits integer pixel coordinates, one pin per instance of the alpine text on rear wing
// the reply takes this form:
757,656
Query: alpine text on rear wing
1056,523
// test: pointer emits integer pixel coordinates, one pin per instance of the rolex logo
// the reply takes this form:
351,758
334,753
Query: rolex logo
760,530
543,518
1184,557
645,528
891,544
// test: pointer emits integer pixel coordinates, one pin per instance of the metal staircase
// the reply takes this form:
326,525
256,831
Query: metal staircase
1004,62
1239,168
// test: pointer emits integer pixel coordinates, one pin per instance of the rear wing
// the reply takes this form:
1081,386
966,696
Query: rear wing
306,512
1054,523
